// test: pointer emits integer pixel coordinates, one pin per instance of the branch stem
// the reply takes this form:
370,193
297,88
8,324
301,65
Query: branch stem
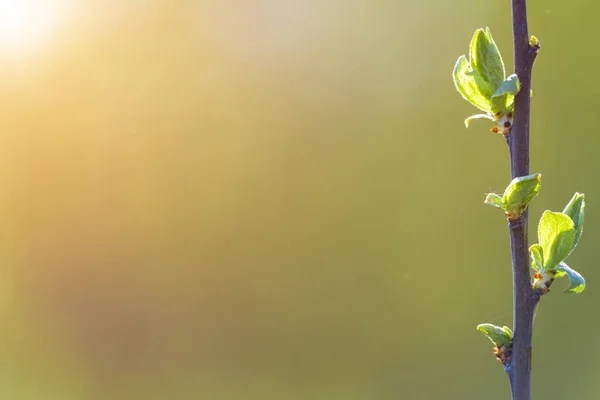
525,298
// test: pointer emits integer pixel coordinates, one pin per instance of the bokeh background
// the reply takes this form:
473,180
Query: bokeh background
279,200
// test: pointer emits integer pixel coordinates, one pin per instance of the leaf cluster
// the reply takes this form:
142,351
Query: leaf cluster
558,235
482,81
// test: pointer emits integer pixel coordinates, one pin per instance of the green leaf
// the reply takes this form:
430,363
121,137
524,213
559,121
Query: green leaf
537,257
519,194
494,200
576,281
503,98
471,85
499,336
485,58
575,210
556,234
478,116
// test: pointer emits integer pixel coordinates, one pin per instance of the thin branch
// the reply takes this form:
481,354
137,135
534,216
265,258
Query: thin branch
524,56
524,298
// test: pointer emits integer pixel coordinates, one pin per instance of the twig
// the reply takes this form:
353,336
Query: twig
525,298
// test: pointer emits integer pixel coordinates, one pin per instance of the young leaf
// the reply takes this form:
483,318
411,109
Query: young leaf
471,85
575,210
485,58
494,200
537,257
511,85
503,98
576,281
478,116
499,336
519,194
556,234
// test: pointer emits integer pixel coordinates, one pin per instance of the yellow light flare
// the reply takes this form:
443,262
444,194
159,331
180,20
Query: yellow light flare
26,23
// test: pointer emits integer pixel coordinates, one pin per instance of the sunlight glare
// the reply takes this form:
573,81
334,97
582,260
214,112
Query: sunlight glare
26,23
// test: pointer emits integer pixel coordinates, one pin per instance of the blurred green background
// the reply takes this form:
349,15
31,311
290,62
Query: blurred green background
279,200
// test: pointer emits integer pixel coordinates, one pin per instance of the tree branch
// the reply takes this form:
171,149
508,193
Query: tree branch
525,298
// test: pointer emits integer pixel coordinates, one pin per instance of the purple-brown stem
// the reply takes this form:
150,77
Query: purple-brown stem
525,298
